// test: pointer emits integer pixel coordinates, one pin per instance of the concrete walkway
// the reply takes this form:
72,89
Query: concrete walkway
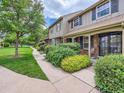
79,82
11,82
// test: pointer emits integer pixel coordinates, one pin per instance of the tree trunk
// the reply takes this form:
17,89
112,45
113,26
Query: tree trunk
16,45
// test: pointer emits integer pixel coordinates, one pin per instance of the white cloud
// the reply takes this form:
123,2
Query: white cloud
57,8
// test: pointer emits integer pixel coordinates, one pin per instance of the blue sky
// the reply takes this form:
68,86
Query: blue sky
56,8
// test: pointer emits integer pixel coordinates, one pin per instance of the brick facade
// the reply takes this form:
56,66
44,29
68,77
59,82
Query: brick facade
95,49
83,52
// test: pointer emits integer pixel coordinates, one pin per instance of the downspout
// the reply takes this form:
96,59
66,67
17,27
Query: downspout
122,24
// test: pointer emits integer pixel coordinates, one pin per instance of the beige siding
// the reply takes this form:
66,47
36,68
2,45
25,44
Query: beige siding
87,19
64,27
87,23
56,33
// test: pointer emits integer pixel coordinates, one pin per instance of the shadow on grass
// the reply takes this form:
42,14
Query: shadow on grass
24,64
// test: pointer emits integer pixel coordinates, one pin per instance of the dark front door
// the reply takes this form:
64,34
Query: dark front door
110,43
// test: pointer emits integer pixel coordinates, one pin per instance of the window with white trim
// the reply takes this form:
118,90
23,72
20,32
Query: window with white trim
104,9
52,31
58,27
76,21
85,43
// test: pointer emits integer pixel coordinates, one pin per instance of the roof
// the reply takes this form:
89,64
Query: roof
78,13
88,9
60,18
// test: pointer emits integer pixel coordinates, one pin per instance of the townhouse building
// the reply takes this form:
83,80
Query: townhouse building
58,29
99,29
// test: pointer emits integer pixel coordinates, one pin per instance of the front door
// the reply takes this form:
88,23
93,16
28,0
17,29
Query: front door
110,43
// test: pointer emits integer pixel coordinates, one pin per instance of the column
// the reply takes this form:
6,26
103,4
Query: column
123,41
64,40
72,39
89,45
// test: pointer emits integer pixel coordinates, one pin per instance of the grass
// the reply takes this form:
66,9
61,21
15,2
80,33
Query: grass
25,64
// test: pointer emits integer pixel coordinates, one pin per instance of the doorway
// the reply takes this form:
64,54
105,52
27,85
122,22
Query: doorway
110,43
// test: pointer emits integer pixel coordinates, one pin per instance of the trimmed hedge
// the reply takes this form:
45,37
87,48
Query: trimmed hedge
56,55
73,46
110,74
75,63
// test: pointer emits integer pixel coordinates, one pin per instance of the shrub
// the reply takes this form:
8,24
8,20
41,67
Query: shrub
74,46
50,48
75,63
56,56
110,74
37,47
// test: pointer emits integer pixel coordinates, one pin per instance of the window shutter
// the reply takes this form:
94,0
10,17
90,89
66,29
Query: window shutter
114,6
81,42
72,24
93,14
80,20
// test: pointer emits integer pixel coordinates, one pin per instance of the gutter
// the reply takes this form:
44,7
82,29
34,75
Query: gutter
93,30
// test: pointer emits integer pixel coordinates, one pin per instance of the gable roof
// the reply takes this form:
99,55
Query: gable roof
59,19
78,13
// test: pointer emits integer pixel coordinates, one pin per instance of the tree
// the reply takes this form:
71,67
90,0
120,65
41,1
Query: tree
10,38
21,17
38,36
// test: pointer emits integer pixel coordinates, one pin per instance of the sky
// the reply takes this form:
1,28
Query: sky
53,9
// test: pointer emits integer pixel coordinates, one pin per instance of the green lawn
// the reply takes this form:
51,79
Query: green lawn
25,64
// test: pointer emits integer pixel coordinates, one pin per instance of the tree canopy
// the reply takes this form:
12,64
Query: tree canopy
20,17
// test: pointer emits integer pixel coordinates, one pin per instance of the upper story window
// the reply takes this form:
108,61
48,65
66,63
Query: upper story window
52,31
103,9
76,22
110,7
58,27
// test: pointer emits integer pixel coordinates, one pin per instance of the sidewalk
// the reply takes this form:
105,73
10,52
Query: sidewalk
11,82
79,82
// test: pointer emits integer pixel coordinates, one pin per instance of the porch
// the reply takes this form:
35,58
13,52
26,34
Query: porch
55,41
100,43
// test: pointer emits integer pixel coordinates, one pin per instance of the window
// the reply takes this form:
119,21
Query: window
58,27
112,6
115,44
103,10
110,43
76,22
52,31
85,42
